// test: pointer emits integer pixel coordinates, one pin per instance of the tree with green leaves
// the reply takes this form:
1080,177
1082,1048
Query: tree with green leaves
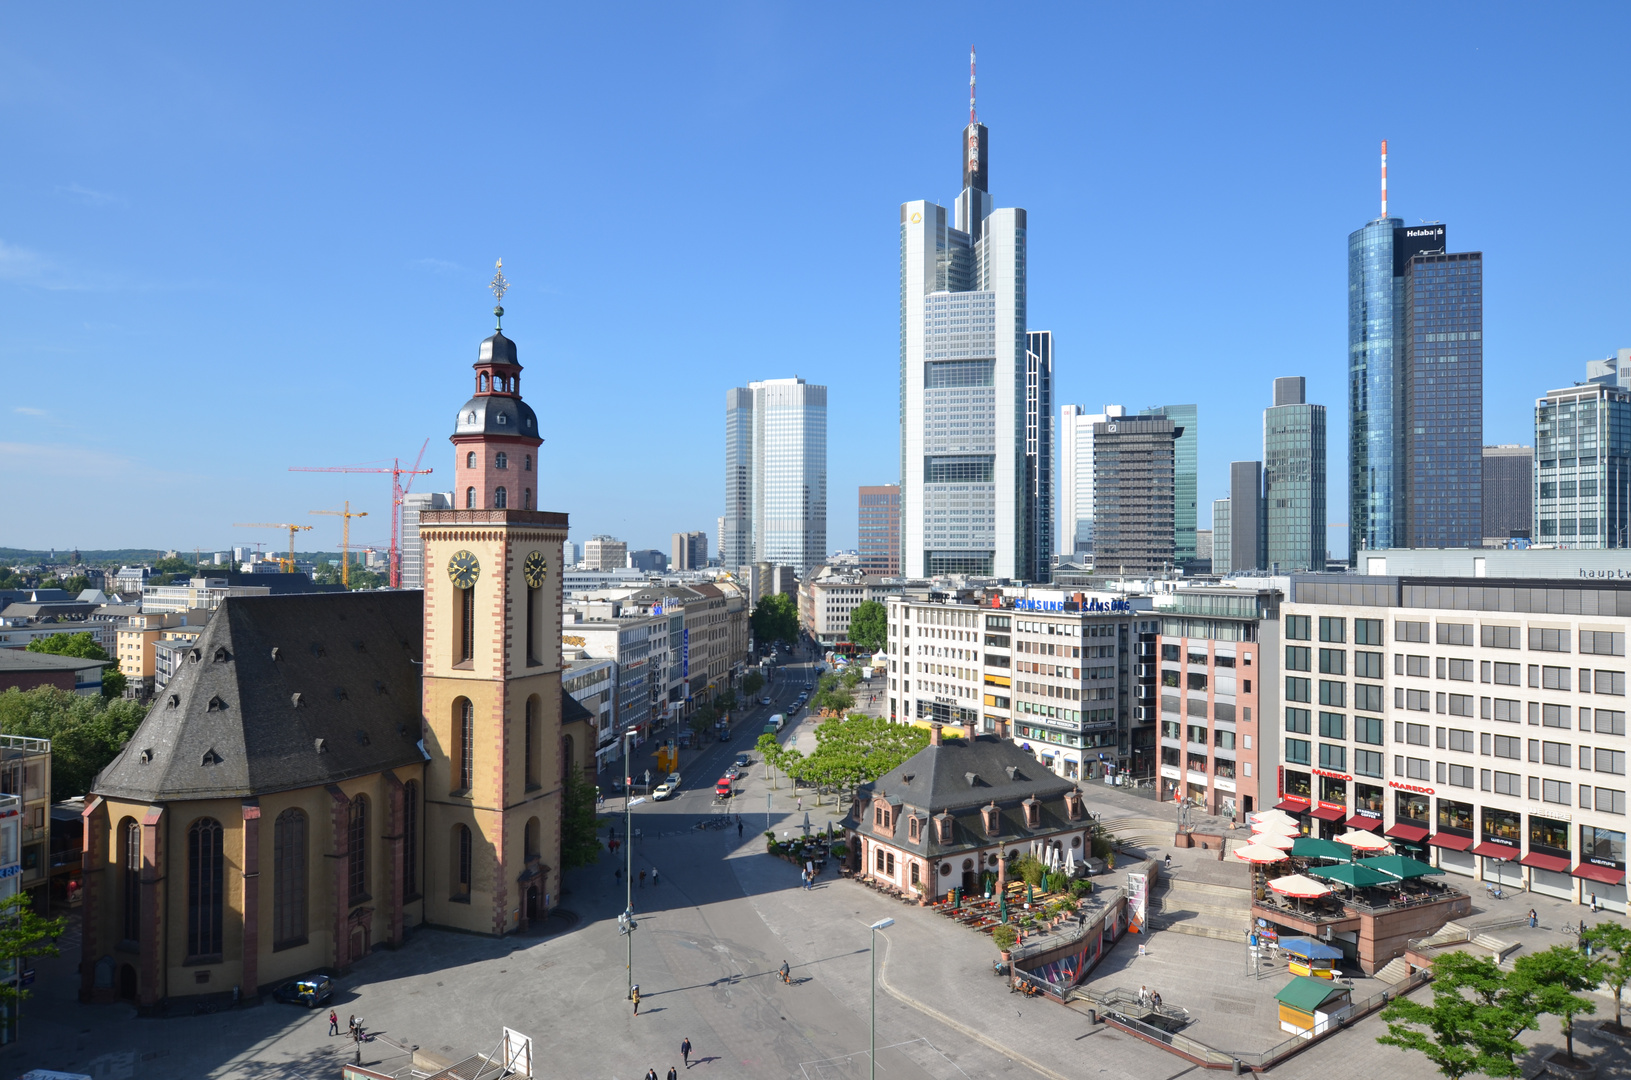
85,732
851,677
857,749
84,647
24,934
837,700
869,625
725,701
1472,1023
752,683
1611,943
702,718
776,618
1553,980
580,846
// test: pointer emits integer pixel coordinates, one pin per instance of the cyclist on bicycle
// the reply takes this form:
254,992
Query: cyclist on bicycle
786,973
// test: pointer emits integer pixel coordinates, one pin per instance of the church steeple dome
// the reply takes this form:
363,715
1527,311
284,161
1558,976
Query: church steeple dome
496,432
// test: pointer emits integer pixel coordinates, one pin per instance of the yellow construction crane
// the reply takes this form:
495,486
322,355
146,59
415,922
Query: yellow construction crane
345,538
288,564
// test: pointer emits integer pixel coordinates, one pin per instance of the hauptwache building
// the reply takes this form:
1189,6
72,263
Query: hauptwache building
1476,721
329,771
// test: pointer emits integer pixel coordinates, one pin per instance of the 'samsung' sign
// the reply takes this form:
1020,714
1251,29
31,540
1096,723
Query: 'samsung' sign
1070,605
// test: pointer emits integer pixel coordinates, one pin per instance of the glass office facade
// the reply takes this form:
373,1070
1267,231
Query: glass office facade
1374,440
1444,399
1583,467
1185,477
1294,486
1039,455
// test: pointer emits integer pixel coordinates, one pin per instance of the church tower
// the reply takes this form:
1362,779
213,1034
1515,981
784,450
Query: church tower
494,785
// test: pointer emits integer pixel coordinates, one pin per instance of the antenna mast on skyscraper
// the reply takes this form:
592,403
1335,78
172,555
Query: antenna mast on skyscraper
971,120
1384,179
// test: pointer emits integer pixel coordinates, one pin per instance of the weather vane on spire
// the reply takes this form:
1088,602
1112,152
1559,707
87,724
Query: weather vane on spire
499,287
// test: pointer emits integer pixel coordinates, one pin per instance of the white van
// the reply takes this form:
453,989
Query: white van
779,720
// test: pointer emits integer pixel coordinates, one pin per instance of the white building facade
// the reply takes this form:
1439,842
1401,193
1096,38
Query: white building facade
775,475
1490,712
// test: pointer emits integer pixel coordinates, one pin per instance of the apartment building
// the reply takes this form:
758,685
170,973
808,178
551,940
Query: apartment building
829,596
1217,678
1481,720
1051,672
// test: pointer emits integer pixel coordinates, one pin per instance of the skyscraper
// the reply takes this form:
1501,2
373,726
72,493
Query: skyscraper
1247,522
775,474
1075,501
1509,492
878,528
1415,386
1132,494
689,551
1185,477
1222,532
1582,470
1294,479
1039,454
963,379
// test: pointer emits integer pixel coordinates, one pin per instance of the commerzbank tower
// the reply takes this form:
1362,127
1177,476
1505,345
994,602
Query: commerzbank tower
976,389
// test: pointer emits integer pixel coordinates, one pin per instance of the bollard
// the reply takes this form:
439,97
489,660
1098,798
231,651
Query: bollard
1234,1066
1092,1016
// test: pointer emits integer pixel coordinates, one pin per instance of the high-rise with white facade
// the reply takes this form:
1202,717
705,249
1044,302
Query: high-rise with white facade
775,475
1075,503
1039,454
963,380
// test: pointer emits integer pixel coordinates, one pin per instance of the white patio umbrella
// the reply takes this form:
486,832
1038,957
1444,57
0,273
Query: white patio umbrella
1363,840
1298,885
1273,840
1272,815
1257,853
1284,828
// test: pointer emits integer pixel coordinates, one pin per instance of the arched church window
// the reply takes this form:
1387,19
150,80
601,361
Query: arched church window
357,849
466,736
410,840
470,460
469,498
526,499
462,844
206,890
528,466
130,845
289,879
501,460
500,499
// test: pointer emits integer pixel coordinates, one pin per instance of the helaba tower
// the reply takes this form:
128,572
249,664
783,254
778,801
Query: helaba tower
966,505
1415,386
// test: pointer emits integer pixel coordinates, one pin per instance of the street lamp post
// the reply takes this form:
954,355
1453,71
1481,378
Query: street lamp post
628,849
872,961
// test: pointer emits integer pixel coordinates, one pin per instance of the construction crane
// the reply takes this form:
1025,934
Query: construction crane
288,565
345,538
398,490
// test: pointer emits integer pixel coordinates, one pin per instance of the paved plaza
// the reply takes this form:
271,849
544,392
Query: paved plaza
710,940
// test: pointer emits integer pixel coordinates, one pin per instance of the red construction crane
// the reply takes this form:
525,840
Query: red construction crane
398,489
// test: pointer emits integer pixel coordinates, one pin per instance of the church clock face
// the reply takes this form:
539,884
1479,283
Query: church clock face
534,569
463,569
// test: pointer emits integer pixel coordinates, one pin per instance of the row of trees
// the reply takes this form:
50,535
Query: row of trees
1478,1010
848,752
776,618
84,647
85,732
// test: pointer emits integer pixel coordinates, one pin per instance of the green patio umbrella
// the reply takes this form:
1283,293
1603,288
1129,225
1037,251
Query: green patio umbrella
1029,899
1312,847
1399,867
1002,908
1355,874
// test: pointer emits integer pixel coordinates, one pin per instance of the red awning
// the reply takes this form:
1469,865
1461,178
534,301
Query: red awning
1546,862
1606,874
1415,834
1496,851
1360,821
1329,813
1292,804
1454,843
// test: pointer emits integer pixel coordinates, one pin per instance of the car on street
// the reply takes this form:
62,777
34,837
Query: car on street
765,700
724,734
732,773
310,992
741,761
722,790
806,686
667,788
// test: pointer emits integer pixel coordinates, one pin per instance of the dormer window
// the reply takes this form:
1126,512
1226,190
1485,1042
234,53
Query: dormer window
501,460
914,829
470,460
502,419
882,816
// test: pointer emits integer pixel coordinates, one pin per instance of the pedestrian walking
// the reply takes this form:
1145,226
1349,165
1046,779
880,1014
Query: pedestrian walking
651,1074
635,994
800,802
739,827
673,1074
1532,918
1143,995
1594,906
1155,1002
653,877
685,1051
333,1022
351,1025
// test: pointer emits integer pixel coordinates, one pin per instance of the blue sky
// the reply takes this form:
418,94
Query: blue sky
236,239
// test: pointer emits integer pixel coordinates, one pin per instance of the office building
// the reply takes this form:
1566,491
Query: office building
1053,673
1038,455
1294,480
827,598
1075,503
775,474
1185,477
878,526
1415,387
605,553
1509,493
963,360
1222,533
1582,468
1247,519
1218,686
1491,742
690,551
413,549
1614,371
649,560
1133,495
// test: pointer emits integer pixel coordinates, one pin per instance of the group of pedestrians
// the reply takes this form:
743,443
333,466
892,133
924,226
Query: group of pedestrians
1149,998
354,1026
673,1074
